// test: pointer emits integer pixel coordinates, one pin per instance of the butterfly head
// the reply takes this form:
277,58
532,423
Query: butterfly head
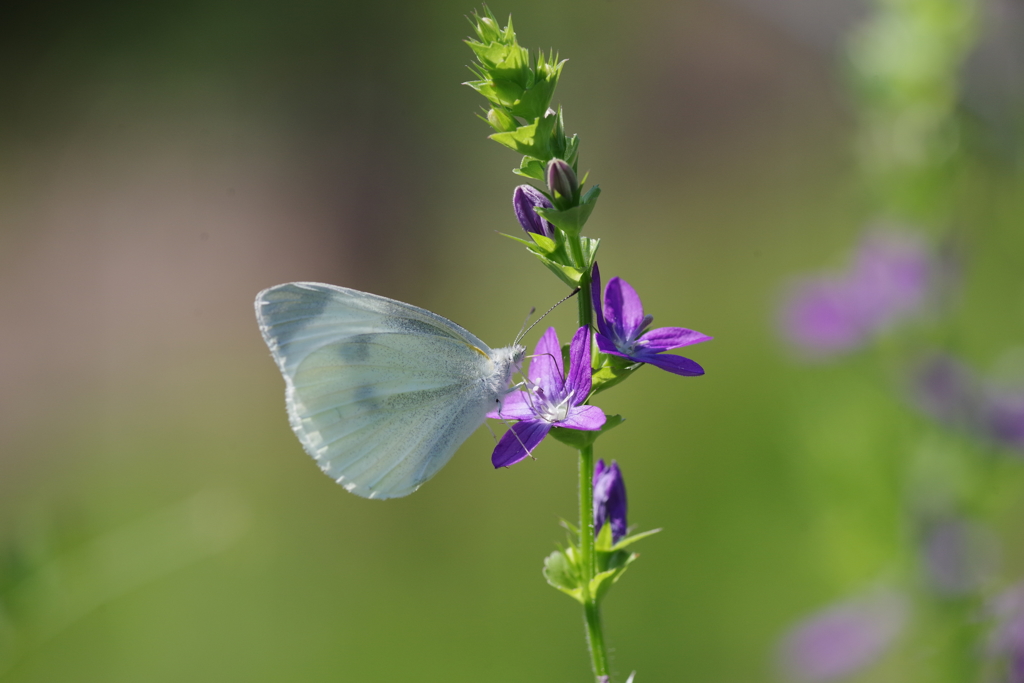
508,360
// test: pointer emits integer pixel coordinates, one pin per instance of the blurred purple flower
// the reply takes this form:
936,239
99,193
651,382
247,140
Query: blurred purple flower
609,499
952,393
958,555
890,279
1007,641
947,390
844,638
553,400
622,329
524,199
1003,415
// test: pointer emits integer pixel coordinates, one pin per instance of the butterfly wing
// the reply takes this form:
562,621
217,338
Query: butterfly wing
379,392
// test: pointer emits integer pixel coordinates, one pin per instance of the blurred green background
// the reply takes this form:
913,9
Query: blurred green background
162,163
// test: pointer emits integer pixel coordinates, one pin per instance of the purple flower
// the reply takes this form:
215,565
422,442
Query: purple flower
947,390
609,499
889,280
1004,417
524,199
844,638
952,393
553,400
622,329
958,555
1007,641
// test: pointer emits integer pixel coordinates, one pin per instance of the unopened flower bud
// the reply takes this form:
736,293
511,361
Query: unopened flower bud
501,121
524,199
609,499
562,179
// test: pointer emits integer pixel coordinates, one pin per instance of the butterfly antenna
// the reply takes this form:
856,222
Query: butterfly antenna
522,330
519,338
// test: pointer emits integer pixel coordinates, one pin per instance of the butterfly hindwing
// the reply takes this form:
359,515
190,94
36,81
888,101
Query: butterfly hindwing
379,392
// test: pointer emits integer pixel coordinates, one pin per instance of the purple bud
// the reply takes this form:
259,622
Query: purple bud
562,179
524,199
609,499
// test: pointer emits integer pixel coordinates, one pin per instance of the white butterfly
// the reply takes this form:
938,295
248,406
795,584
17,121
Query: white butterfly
379,392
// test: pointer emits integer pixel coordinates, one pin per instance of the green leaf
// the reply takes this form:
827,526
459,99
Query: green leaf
533,139
531,168
627,540
536,100
601,583
590,246
603,542
529,245
500,120
610,371
546,244
489,54
571,220
577,438
567,274
561,572
570,527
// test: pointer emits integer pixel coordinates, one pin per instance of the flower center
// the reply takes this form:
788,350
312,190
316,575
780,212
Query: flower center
556,412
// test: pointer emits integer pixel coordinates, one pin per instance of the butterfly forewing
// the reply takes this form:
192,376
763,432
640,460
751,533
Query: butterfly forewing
379,392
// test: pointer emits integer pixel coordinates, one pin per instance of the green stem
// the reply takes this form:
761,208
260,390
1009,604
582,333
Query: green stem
586,312
591,610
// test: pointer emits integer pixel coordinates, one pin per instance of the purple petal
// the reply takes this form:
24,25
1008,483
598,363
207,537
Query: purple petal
516,406
622,307
606,345
546,371
676,364
587,418
524,199
518,442
665,338
595,295
578,381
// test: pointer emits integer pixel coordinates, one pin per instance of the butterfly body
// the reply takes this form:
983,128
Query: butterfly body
379,392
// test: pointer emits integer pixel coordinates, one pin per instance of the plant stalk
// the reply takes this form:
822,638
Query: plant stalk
591,610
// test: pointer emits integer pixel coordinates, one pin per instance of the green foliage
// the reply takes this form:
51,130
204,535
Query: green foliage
563,571
556,257
519,89
571,220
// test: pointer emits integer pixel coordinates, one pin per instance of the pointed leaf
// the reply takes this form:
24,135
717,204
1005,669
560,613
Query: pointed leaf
603,542
531,168
533,139
627,540
546,244
601,583
610,371
571,221
566,274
